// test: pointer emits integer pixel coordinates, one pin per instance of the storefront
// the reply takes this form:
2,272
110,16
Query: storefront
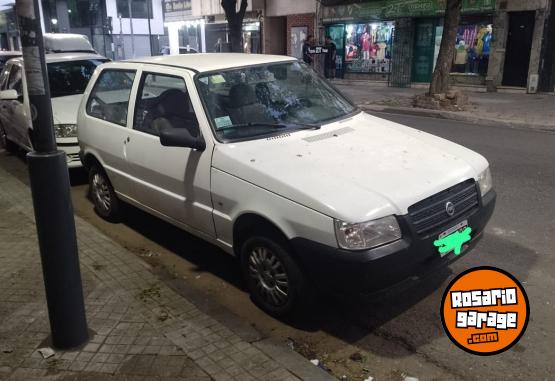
365,36
472,49
217,34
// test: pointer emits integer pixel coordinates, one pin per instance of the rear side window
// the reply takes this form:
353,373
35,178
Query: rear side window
109,99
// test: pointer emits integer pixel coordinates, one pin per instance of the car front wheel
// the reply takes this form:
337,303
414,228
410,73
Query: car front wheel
275,281
105,201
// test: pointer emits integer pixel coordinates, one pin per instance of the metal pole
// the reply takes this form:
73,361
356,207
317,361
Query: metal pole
148,4
131,27
49,179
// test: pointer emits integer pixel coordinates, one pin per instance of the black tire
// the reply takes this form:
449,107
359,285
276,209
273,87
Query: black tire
268,289
5,142
101,191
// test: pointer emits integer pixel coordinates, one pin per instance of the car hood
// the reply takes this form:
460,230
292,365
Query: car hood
355,170
65,108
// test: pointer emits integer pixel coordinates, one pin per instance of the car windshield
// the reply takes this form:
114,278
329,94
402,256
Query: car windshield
245,103
71,77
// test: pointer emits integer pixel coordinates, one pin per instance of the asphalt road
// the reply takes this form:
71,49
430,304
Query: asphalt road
400,334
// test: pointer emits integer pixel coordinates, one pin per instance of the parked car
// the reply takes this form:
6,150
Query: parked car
260,156
7,55
70,61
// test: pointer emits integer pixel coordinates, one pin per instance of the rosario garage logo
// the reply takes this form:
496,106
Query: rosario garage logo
485,311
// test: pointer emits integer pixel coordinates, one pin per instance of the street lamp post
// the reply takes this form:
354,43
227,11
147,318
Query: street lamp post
49,180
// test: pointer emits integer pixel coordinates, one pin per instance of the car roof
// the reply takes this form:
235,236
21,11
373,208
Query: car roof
13,53
66,42
204,62
63,57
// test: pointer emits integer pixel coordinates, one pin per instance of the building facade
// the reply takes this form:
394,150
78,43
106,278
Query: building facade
499,43
9,35
201,25
118,29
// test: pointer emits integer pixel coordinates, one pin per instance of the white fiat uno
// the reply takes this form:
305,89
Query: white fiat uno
260,156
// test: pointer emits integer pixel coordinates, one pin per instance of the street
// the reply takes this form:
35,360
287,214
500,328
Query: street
399,334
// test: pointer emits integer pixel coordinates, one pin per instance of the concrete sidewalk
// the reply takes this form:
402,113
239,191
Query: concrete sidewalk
140,328
535,111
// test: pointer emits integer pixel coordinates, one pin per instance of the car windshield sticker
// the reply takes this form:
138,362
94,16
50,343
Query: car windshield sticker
454,241
217,78
223,122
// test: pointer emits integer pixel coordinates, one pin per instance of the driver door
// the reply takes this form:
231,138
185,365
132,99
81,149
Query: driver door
173,181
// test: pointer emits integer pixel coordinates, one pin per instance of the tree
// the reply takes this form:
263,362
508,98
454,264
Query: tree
235,22
440,78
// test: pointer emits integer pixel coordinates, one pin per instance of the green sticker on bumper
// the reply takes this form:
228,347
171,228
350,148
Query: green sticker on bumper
453,242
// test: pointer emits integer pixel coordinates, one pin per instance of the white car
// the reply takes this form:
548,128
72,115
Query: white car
259,155
70,62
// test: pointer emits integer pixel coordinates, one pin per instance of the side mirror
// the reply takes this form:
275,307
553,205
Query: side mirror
8,95
180,137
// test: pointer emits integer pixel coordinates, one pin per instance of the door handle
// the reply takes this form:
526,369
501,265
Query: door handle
126,140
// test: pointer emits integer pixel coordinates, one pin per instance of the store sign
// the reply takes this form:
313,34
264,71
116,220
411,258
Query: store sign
390,9
175,10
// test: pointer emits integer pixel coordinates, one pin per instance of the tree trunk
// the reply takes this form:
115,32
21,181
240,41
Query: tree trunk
440,78
236,37
235,22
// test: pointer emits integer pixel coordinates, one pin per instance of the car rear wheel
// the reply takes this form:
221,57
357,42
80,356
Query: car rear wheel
105,201
274,279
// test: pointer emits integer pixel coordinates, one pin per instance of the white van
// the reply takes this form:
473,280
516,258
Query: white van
259,155
70,61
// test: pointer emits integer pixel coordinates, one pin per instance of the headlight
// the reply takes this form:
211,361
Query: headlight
369,234
485,181
65,130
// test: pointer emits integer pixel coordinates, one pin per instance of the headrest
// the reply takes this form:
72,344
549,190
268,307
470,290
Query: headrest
173,102
241,95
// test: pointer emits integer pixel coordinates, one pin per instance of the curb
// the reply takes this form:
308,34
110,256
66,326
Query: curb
456,116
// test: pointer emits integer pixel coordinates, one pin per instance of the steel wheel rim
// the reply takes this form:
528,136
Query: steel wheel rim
101,192
269,275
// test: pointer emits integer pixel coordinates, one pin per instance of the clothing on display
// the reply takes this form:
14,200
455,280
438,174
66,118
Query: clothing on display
368,47
472,49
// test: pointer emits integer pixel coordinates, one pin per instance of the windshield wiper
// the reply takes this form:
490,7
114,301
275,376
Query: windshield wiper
295,126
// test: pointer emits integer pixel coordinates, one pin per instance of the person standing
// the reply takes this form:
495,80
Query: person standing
329,62
218,45
307,45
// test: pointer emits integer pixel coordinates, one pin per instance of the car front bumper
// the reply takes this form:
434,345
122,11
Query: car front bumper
366,272
72,154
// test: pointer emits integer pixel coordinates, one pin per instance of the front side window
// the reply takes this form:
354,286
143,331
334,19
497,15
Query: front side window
253,101
15,81
163,102
70,77
109,99
4,77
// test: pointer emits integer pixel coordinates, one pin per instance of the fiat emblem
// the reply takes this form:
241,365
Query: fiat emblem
450,208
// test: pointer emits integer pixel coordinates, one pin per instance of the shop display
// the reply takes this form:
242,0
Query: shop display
473,49
368,47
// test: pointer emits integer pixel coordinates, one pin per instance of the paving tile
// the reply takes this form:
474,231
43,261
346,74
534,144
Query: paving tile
128,339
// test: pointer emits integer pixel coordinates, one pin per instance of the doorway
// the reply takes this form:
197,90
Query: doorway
519,46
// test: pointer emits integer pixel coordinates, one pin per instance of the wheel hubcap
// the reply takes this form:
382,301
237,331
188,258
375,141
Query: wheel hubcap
269,275
101,191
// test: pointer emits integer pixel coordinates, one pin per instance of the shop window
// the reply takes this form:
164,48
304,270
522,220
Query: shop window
472,49
368,47
139,8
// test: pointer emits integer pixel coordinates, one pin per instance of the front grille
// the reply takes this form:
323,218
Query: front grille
429,214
